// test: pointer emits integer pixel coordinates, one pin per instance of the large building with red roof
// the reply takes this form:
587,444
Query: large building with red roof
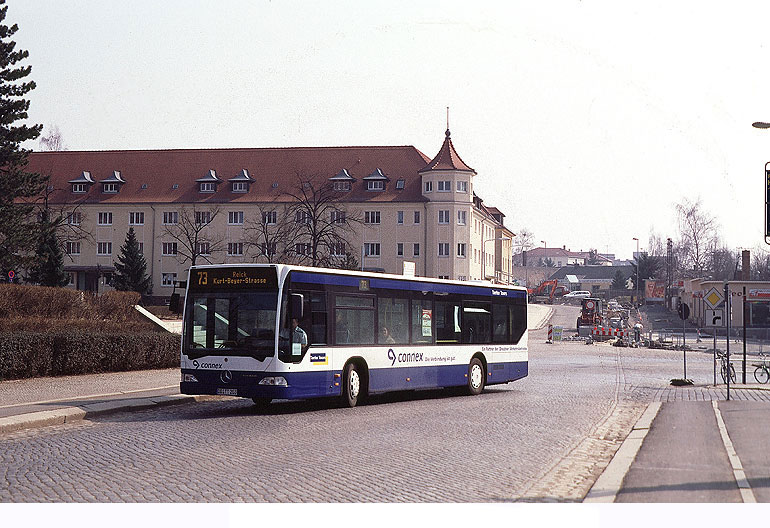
412,208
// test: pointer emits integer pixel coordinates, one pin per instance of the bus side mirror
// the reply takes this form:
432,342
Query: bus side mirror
297,305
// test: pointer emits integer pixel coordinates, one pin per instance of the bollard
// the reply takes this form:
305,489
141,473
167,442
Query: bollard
550,334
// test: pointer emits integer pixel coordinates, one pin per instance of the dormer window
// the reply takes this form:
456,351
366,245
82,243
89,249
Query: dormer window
208,184
342,186
82,183
241,181
342,181
376,181
112,183
110,187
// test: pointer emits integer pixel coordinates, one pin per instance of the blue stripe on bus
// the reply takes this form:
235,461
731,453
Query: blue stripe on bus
316,384
393,284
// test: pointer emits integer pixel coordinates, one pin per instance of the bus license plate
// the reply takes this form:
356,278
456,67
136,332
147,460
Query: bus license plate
227,392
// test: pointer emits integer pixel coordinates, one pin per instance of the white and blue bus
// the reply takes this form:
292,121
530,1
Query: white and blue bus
267,331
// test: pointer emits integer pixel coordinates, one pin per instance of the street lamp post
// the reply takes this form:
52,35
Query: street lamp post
637,271
760,124
545,252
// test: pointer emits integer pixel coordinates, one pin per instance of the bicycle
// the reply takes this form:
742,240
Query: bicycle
762,372
724,366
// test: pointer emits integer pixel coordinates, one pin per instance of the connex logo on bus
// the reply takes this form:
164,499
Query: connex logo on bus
206,365
403,358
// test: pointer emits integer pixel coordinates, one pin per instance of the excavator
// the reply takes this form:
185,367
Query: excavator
546,291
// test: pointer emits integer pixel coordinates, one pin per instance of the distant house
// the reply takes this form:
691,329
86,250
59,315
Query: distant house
595,279
558,256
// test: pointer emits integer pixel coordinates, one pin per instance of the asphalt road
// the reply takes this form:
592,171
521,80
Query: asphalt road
546,437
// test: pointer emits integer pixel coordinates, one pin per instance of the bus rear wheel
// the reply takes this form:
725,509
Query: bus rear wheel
352,385
476,377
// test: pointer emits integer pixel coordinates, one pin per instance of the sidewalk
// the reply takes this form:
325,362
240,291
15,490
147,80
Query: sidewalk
694,446
39,402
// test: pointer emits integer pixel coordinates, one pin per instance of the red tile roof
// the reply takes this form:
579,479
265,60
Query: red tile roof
161,170
447,159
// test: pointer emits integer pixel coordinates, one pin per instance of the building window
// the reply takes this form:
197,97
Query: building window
136,218
428,186
74,218
337,249
417,217
104,248
461,249
79,187
170,217
303,248
235,248
372,217
202,217
416,250
141,248
235,218
268,249
400,184
342,186
378,185
338,217
105,218
372,249
109,187
169,249
443,277
462,186
444,186
302,217
443,217
462,277
208,187
269,218
400,249
73,248
240,187
443,249
203,248
73,277
461,217
400,217
168,279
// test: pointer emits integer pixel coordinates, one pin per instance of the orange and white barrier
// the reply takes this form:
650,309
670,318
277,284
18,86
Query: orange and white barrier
600,331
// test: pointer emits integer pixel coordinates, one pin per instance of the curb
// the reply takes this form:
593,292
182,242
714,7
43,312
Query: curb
607,486
90,410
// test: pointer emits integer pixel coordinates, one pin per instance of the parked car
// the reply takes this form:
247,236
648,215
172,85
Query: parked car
580,294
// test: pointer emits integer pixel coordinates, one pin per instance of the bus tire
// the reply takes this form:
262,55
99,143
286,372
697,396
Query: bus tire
261,402
353,384
476,377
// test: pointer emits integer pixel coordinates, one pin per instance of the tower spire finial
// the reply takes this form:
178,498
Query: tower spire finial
447,121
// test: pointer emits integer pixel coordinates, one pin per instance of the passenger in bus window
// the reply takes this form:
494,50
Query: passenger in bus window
385,336
341,328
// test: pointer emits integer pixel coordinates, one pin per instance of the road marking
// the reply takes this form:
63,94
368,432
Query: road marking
607,486
89,396
740,476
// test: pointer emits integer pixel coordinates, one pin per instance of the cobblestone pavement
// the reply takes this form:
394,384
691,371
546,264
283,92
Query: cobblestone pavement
544,438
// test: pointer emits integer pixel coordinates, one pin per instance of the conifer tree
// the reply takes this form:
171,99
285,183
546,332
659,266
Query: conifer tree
131,268
17,234
48,268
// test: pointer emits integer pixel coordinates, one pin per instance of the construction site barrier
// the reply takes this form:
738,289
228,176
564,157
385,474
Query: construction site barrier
600,331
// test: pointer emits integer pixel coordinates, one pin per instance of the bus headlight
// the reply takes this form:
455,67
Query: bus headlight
277,380
189,378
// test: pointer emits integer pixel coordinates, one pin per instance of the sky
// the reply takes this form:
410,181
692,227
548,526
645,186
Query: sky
586,121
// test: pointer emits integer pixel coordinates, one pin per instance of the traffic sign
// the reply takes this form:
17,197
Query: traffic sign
683,311
714,318
11,275
713,298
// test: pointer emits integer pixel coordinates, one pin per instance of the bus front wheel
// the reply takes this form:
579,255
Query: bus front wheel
351,389
475,377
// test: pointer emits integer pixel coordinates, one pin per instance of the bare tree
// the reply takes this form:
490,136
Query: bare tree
65,221
760,264
321,223
656,245
523,240
697,236
271,236
190,233
53,140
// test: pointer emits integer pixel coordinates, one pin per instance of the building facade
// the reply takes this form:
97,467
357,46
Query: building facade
397,205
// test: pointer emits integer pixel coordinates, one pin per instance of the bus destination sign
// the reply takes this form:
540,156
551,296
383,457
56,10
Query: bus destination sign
245,278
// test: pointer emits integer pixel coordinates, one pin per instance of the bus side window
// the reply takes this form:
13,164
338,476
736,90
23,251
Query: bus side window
422,321
518,321
500,323
448,322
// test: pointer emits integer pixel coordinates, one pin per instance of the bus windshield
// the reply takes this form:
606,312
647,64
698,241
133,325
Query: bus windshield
231,323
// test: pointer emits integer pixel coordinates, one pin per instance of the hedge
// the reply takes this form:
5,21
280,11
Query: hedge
26,353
